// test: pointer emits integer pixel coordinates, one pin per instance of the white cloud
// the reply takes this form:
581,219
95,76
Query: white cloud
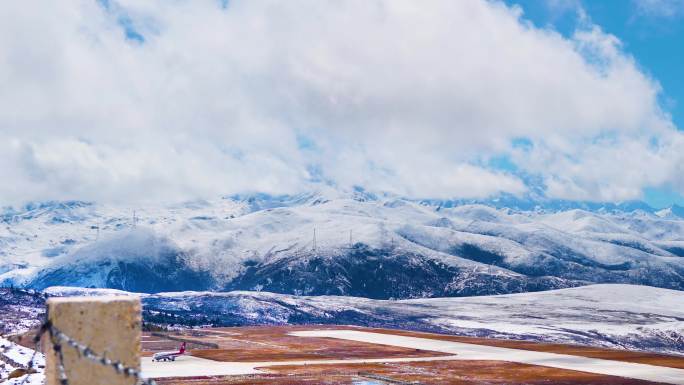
410,97
659,8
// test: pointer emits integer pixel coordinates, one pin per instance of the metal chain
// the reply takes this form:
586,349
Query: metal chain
60,356
36,341
88,353
57,337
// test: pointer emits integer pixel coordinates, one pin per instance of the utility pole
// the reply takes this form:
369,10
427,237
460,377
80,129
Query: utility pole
491,280
350,239
135,220
314,240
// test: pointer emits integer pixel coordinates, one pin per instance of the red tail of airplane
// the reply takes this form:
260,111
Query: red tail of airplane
182,348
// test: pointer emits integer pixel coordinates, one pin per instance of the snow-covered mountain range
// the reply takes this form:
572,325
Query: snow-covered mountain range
341,243
609,315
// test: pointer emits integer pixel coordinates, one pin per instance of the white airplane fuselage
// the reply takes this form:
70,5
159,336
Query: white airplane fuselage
169,356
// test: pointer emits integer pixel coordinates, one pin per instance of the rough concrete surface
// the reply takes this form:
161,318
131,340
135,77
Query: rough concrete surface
109,325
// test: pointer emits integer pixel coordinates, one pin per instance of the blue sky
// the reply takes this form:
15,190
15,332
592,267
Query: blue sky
651,31
655,38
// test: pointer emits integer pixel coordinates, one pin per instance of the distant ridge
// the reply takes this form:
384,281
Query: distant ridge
401,248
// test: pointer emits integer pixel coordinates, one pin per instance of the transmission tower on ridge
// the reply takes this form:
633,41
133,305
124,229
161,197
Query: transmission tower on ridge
314,240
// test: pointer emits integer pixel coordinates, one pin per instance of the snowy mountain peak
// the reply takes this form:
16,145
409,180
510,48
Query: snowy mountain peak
336,242
672,212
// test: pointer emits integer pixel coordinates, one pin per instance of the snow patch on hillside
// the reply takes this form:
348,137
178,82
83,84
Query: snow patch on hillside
13,357
616,316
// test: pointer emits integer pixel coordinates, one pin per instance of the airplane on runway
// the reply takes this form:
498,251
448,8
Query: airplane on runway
169,356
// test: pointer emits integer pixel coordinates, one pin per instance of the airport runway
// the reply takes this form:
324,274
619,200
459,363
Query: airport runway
189,366
465,351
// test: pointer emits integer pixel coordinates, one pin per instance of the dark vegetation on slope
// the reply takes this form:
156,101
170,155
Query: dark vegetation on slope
382,274
166,272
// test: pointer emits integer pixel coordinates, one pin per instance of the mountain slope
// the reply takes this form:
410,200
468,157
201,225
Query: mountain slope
340,243
616,316
137,261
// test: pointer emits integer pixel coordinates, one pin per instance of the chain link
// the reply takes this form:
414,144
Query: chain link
36,341
57,338
63,380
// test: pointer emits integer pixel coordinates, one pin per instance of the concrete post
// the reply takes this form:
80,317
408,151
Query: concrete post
109,325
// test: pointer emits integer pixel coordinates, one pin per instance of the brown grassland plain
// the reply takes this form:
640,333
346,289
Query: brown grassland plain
272,343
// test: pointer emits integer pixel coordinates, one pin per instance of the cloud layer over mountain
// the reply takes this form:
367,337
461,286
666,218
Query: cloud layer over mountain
129,100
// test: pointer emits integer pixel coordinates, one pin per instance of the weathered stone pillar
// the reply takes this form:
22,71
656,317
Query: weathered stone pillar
109,325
